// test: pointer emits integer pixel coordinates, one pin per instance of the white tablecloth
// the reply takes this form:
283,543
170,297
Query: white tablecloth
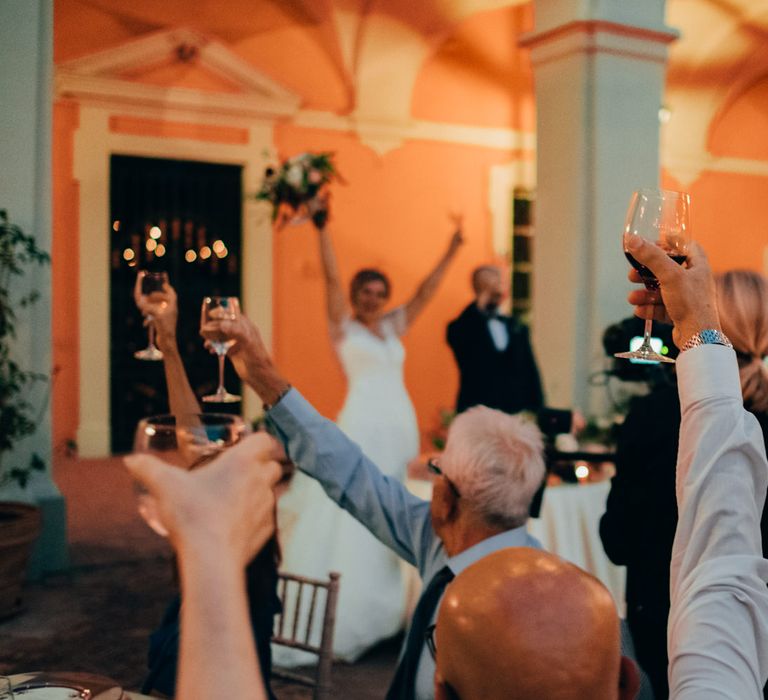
568,527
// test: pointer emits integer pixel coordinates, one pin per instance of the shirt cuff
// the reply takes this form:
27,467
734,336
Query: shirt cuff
292,407
706,372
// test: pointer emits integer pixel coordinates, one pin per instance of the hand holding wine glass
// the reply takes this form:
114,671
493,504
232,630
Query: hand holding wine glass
186,441
219,309
148,283
661,217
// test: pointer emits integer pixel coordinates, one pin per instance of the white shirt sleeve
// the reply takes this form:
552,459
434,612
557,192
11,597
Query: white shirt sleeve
718,622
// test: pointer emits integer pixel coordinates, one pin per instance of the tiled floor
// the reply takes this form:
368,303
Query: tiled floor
97,618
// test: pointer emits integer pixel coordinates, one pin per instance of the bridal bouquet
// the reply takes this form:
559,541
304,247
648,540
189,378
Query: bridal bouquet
294,184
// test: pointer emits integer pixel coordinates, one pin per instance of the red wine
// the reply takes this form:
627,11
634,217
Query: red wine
151,283
649,279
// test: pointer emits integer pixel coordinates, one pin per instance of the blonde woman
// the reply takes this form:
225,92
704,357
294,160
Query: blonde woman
316,535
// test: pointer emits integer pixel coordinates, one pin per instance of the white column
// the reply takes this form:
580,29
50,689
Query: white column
26,38
599,73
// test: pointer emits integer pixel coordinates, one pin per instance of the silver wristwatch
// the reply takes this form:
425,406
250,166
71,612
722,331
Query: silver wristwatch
709,336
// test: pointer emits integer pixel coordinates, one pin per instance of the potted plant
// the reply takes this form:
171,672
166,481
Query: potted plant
19,522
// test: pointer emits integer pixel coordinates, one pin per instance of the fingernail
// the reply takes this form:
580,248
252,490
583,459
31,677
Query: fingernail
634,242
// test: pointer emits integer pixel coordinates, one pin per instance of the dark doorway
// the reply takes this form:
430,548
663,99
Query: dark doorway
183,218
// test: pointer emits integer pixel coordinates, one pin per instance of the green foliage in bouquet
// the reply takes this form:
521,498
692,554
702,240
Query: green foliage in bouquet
17,420
296,181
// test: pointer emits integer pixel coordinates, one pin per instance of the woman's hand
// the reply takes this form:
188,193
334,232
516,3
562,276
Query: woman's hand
319,209
457,239
161,310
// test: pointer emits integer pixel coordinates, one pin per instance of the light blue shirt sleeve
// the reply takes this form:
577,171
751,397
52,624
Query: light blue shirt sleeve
382,504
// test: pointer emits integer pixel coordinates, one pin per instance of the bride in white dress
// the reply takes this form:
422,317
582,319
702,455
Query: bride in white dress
317,536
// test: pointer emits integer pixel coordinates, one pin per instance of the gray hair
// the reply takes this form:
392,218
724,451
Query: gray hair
496,462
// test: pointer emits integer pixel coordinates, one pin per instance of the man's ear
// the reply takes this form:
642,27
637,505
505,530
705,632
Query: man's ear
629,679
444,502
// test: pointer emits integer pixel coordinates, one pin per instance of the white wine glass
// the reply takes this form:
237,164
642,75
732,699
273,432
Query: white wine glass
220,309
146,283
186,441
661,217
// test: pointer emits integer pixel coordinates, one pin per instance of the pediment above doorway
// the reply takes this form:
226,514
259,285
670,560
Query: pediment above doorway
175,69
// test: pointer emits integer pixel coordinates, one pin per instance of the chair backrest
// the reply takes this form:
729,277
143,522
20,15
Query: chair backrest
306,622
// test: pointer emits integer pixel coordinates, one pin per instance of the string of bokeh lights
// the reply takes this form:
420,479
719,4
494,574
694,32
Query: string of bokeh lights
154,246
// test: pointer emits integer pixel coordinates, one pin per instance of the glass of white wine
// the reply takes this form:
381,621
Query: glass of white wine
186,441
220,309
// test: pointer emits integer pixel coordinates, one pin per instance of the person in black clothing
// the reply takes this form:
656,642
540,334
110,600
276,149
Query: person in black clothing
493,351
638,527
495,358
261,573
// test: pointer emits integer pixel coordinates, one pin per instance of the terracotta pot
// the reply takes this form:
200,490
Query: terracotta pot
19,528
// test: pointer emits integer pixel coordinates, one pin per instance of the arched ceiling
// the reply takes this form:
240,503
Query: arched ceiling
356,46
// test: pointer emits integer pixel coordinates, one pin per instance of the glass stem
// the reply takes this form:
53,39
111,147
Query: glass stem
151,331
221,390
647,333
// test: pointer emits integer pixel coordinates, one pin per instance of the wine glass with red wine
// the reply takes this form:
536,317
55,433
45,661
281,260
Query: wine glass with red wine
661,217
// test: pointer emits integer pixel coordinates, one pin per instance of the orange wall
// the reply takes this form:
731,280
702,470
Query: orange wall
728,212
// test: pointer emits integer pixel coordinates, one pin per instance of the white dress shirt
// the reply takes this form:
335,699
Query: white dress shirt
718,622
499,333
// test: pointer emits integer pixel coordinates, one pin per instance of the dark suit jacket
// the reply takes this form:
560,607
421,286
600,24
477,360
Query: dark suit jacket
508,380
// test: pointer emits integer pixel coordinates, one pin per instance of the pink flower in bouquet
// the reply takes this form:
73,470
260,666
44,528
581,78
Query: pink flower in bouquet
315,177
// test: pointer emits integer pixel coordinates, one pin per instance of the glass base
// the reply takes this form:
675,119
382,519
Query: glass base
644,355
151,353
222,396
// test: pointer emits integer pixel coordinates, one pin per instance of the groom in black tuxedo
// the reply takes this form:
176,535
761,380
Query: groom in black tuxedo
496,364
493,351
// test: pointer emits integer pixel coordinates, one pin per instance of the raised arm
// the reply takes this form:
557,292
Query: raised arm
164,310
428,286
383,505
218,518
335,304
718,621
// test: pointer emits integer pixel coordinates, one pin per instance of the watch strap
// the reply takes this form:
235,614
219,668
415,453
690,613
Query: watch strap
708,336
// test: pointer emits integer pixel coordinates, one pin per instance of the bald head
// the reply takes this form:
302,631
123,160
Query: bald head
522,624
487,285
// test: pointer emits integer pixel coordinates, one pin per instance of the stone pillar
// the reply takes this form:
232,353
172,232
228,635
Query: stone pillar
26,37
599,69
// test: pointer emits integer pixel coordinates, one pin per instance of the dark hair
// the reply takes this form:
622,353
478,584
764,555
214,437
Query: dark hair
362,277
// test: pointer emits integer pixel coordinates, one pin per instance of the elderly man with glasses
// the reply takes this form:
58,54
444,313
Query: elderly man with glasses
491,468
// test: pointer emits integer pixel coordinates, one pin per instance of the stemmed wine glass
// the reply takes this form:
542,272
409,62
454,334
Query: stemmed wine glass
146,283
186,441
661,217
220,309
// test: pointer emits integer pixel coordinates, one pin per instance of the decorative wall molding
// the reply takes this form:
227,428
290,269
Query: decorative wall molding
598,36
94,143
391,134
686,169
100,78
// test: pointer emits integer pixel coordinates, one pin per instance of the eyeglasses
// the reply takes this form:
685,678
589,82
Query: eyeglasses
433,466
429,638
